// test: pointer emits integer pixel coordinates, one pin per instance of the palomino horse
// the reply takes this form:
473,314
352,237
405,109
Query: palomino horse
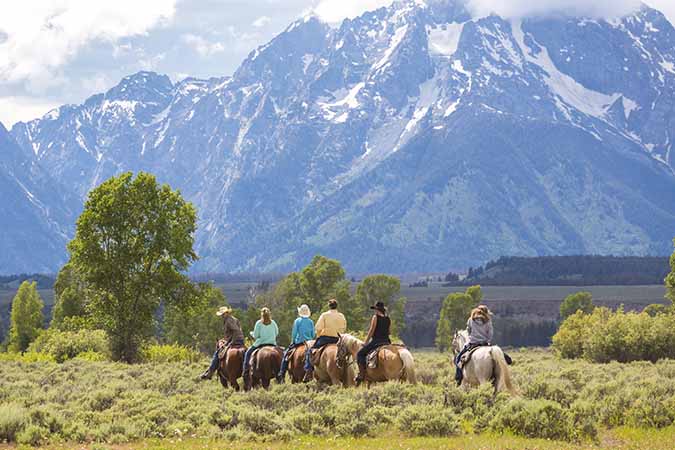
486,364
393,362
265,364
231,367
327,369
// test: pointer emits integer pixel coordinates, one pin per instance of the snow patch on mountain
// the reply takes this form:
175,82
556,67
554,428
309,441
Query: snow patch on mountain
444,39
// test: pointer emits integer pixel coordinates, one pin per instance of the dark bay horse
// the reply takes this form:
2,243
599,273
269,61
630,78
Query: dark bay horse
265,365
231,367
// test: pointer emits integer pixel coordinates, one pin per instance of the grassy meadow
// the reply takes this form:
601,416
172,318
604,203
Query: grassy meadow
561,404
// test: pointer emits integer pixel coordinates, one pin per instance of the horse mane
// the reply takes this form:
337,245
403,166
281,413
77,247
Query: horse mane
351,342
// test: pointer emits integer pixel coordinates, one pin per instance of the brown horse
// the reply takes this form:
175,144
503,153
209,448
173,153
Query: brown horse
231,367
393,362
296,365
328,370
265,365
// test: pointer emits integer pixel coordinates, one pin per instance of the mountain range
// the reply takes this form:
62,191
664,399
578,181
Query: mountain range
413,137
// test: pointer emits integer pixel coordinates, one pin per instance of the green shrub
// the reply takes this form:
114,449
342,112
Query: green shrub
92,356
13,419
64,345
169,353
533,418
32,435
604,336
27,357
428,420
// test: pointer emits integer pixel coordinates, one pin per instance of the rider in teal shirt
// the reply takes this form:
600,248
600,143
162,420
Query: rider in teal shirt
303,330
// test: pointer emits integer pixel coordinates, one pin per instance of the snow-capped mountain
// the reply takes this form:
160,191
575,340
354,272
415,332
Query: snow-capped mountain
413,137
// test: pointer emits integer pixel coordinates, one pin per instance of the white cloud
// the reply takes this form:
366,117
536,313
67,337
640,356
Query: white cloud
261,21
201,45
43,36
20,108
336,10
526,8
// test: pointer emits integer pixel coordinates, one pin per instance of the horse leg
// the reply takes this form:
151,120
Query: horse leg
223,379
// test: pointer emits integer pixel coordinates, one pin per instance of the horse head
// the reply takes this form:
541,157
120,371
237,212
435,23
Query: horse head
343,350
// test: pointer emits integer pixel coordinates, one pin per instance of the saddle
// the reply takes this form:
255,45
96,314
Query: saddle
316,354
290,354
372,357
223,348
466,357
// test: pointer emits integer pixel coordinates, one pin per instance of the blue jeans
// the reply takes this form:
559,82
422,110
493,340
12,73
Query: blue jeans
370,346
284,362
215,362
320,342
247,358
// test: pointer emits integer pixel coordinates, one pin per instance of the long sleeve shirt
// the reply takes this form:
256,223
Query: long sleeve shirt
303,330
232,330
480,332
265,334
331,323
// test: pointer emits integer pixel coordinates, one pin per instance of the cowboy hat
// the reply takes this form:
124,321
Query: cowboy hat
303,311
223,310
379,306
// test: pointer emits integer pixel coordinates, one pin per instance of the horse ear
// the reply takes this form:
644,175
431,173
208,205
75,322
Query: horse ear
339,336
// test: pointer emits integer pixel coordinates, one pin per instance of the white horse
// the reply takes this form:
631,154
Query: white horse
487,364
394,362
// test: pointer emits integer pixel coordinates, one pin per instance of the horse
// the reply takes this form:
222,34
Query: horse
487,364
296,365
231,367
265,365
328,370
393,363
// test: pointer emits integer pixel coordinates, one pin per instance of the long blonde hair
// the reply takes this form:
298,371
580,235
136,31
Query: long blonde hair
266,316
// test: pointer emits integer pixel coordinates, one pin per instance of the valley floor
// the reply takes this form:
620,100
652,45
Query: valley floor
560,404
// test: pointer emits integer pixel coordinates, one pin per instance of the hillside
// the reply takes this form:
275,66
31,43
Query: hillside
413,136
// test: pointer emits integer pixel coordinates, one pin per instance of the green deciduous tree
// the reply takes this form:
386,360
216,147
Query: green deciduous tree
196,325
26,319
385,289
580,301
670,280
132,242
454,314
321,280
70,297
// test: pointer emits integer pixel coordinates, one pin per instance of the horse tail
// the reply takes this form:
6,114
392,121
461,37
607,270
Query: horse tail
408,371
502,373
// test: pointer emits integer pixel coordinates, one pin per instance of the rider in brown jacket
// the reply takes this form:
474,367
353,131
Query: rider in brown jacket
233,336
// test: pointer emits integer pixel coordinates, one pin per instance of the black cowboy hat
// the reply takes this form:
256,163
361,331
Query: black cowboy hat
379,306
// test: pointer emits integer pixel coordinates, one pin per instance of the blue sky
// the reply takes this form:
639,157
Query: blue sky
54,52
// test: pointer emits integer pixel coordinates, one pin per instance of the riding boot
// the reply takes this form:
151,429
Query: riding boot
207,375
362,374
281,375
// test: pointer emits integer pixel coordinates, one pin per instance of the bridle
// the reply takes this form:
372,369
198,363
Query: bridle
344,357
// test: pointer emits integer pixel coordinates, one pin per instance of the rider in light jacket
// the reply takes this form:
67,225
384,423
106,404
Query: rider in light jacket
479,327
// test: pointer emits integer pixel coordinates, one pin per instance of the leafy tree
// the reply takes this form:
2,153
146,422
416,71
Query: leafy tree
656,308
670,280
581,301
26,319
132,242
196,325
70,297
454,314
385,289
321,280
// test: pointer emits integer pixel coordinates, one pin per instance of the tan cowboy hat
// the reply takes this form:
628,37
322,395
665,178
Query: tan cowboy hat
485,309
223,310
303,311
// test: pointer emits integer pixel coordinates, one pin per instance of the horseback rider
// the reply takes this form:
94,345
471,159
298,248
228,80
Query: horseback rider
378,335
233,337
330,324
303,331
265,332
479,328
